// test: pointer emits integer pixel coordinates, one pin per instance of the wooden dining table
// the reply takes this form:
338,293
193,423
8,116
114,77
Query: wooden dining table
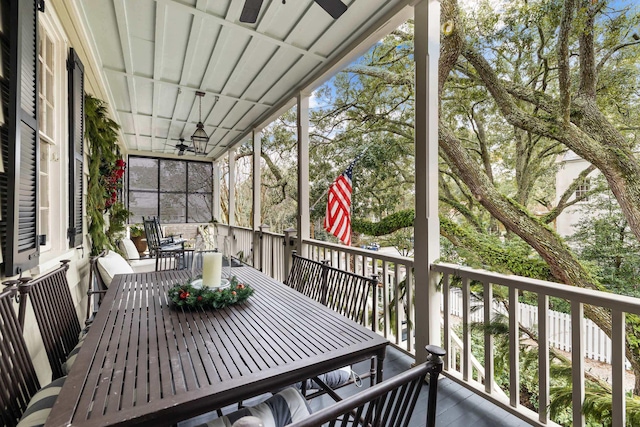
146,362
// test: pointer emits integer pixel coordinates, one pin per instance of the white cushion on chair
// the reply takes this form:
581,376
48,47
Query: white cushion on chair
286,407
112,264
129,249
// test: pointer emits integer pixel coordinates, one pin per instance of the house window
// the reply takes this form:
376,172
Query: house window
176,191
47,65
583,189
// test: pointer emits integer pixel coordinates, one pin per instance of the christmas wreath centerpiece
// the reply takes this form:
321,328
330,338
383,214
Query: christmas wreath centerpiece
189,296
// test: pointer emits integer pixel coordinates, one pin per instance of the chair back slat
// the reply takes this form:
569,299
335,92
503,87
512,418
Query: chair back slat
55,314
389,403
17,374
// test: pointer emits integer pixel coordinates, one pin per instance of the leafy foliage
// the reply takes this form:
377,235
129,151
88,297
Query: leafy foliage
603,238
105,162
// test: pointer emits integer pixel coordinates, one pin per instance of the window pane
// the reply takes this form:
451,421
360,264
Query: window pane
173,208
200,207
173,175
143,174
142,204
200,178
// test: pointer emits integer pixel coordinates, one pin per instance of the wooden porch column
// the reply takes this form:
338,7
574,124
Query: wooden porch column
216,191
426,225
304,227
256,220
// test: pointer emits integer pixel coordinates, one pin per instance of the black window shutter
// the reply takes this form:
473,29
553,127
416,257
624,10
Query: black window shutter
23,147
76,140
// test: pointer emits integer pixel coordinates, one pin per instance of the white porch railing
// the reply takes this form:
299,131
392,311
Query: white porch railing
578,298
397,319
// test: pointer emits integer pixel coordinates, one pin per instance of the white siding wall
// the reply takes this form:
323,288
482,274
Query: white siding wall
569,167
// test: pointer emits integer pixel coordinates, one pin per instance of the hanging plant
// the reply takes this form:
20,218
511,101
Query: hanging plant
106,173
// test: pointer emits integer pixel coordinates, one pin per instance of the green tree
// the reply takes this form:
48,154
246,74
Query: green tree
603,237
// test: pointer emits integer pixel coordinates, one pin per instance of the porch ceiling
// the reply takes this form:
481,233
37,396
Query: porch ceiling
155,54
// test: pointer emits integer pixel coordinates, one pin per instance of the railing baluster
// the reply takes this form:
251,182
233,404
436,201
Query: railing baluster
618,410
446,319
385,299
514,349
488,338
410,309
466,333
543,358
399,310
577,361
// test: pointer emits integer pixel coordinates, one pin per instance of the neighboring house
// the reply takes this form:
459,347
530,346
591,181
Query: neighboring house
570,165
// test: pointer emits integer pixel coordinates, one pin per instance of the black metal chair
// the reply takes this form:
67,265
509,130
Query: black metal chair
97,287
344,292
55,314
20,385
168,251
389,403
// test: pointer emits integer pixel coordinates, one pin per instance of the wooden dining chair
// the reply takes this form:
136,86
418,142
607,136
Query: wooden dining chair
21,396
55,313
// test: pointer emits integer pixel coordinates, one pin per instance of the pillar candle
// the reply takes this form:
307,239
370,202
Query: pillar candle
211,269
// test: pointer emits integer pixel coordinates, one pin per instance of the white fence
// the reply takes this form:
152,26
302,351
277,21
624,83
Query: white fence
597,345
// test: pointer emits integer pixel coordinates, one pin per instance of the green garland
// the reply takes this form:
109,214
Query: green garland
186,295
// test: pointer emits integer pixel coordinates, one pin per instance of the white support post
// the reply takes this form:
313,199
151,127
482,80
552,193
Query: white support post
257,205
232,199
304,224
426,224
216,191
232,188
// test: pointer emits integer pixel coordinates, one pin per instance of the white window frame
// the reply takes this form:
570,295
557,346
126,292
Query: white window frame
56,142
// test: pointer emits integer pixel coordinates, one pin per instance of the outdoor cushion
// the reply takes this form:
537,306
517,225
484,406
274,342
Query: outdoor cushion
332,379
40,404
281,409
129,249
66,366
112,264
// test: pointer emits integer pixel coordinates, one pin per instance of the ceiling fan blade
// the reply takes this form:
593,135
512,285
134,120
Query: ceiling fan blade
250,11
335,8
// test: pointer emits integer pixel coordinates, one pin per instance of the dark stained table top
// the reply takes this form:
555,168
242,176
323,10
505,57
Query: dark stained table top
145,363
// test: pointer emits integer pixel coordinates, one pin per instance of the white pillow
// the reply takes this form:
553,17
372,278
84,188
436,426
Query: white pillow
112,264
129,249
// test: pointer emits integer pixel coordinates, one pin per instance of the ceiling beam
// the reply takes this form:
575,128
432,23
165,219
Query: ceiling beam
245,29
123,31
174,120
131,76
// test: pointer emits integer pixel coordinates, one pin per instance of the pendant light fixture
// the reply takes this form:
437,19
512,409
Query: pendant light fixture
200,139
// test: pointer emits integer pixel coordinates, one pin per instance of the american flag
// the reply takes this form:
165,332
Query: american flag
337,220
